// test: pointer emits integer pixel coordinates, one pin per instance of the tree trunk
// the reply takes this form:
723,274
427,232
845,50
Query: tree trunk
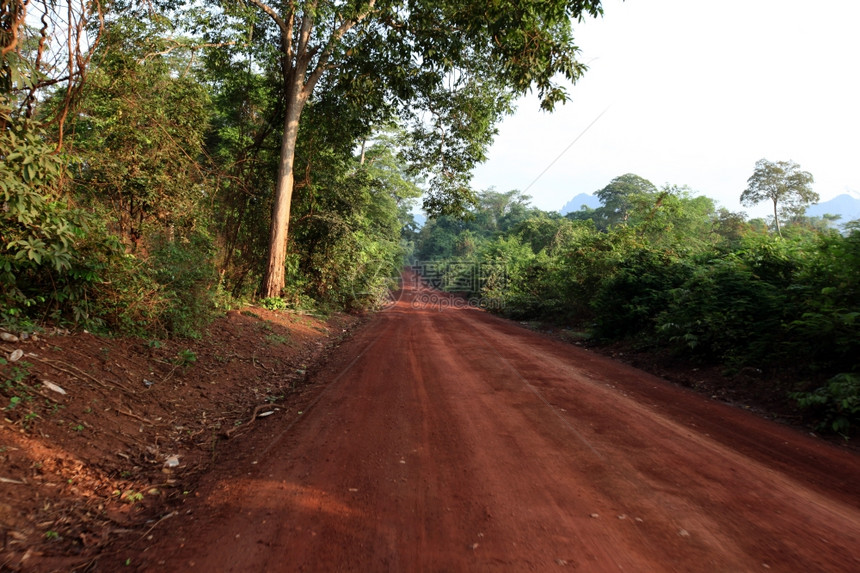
273,283
776,219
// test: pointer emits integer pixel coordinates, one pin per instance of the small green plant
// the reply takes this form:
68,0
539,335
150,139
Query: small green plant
155,344
18,373
29,417
277,339
132,496
185,358
17,392
273,303
52,406
78,428
51,535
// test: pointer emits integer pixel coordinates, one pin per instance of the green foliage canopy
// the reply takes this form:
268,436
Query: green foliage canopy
140,128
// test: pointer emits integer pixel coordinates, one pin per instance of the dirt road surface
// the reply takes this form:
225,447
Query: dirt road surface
446,439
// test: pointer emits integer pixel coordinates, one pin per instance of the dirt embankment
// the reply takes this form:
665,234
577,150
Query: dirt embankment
100,437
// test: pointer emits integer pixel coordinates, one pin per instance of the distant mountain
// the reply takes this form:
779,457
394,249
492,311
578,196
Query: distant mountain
577,202
845,205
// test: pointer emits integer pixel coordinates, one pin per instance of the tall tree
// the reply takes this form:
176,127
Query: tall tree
450,66
789,188
617,198
499,210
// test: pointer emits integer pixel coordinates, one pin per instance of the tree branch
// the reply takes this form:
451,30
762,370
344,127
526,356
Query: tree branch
15,21
288,48
322,64
192,47
280,22
307,26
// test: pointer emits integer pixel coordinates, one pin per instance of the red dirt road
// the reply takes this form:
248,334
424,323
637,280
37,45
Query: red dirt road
450,440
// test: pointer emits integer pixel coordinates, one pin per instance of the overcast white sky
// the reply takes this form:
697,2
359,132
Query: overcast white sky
696,93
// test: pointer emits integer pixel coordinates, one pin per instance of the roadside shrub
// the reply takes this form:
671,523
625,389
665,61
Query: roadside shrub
184,269
628,302
723,312
836,405
504,269
582,260
169,292
129,300
825,324
41,275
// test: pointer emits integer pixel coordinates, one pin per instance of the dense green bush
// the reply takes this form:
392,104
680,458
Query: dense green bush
628,302
836,405
184,270
583,260
41,271
508,274
825,327
173,291
723,312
